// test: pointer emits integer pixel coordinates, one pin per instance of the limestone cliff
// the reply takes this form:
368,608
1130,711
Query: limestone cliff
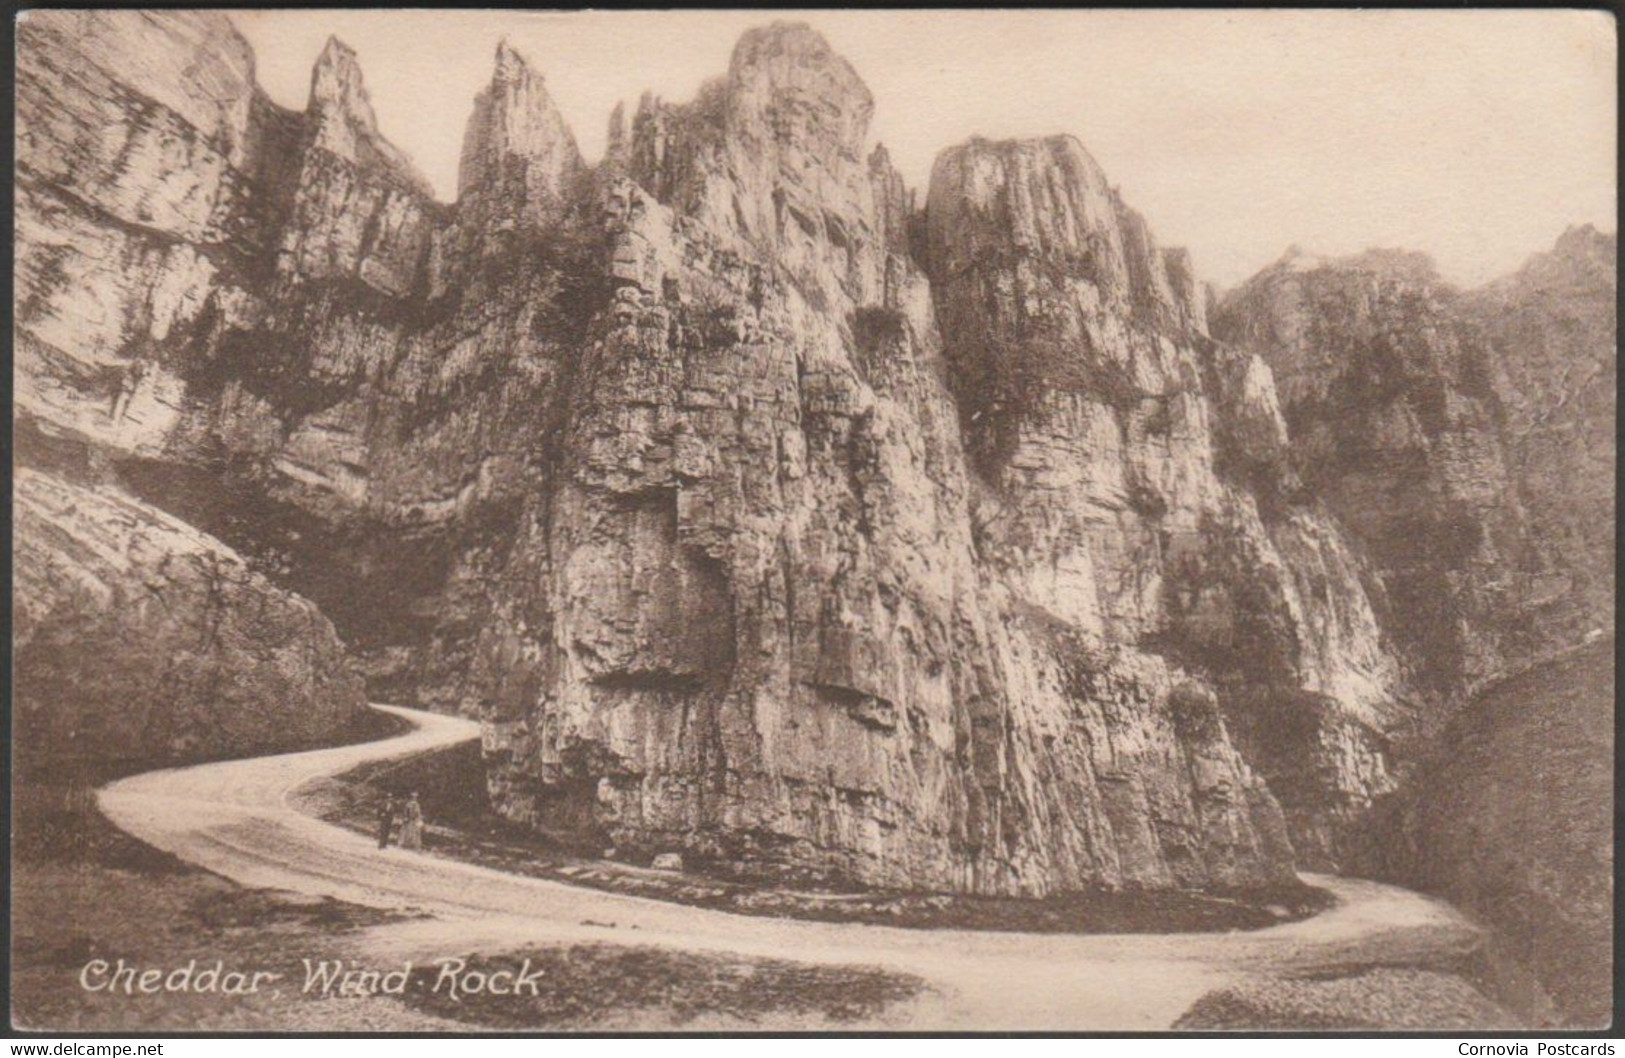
241,314
1467,441
1464,438
1133,477
656,470
1394,421
1554,339
139,639
1510,815
748,616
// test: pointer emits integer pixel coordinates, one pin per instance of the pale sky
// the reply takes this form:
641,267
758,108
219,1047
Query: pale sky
1475,136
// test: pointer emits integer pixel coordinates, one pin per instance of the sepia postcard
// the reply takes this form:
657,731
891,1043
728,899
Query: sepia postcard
813,521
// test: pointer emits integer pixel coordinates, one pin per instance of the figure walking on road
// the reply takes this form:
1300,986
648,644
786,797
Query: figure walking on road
387,816
412,828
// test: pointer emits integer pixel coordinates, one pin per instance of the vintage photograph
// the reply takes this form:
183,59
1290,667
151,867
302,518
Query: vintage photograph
813,521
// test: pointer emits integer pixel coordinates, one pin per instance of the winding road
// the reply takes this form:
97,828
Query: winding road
236,818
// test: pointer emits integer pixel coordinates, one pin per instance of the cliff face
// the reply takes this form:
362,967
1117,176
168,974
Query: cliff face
138,636
748,615
1554,339
1133,477
652,467
140,639
756,511
236,305
1511,815
1390,403
1466,439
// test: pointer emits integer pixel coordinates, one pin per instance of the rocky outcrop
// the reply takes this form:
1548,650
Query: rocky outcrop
1389,400
359,209
1466,440
654,471
1511,816
520,172
517,146
1554,340
750,618
1133,477
274,367
142,191
139,639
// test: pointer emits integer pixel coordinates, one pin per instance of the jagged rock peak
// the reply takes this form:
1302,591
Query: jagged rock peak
782,44
887,180
1581,234
894,201
511,66
793,57
881,167
616,143
515,118
771,64
344,123
336,83
772,157
1583,258
979,167
1187,289
1050,199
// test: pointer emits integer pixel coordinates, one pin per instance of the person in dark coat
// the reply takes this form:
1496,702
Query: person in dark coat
387,815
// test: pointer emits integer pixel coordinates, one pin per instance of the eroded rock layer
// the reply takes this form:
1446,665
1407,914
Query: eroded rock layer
139,639
751,618
1133,478
1388,395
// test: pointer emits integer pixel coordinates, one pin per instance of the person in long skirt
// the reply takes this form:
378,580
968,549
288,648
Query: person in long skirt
412,827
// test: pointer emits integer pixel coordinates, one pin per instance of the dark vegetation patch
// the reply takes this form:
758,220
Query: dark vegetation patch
154,912
878,334
1003,380
587,985
461,826
1372,998
558,270
84,890
875,326
271,363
